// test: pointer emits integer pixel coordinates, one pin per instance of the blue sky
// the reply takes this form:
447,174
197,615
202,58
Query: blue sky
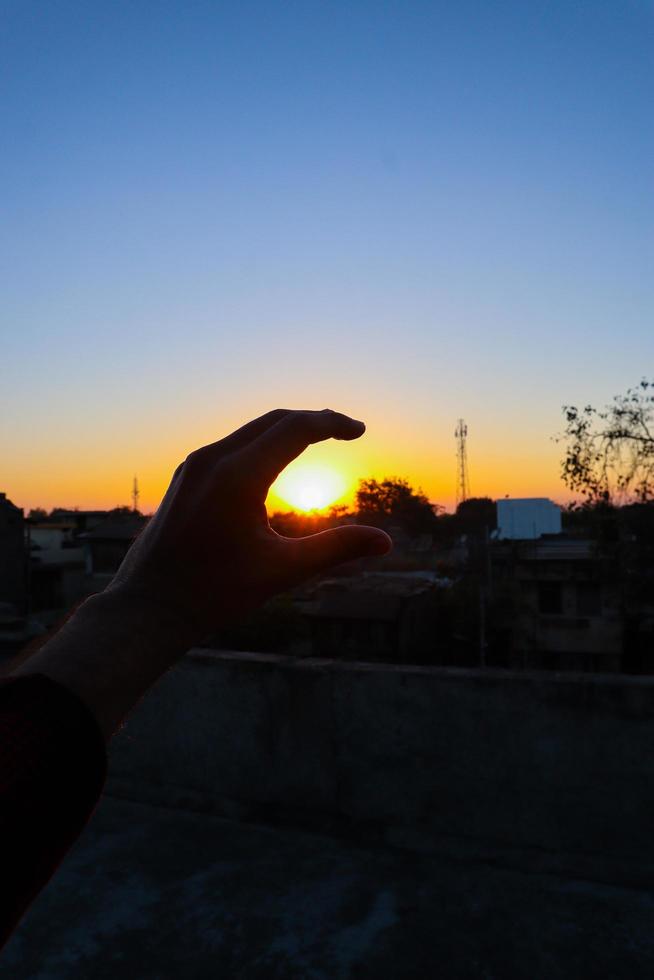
410,211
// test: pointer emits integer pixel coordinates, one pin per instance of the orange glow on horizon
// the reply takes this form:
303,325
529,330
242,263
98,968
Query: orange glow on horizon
309,486
98,474
301,486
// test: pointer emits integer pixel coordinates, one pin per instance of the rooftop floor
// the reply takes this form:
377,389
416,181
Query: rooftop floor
156,893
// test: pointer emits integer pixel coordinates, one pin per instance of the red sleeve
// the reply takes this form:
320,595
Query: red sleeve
53,765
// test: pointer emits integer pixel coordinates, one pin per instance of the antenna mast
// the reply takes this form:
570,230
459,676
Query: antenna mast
462,485
135,495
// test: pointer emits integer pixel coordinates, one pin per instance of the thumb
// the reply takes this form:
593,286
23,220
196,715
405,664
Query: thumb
318,552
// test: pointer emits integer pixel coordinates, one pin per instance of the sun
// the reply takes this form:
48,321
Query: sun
309,486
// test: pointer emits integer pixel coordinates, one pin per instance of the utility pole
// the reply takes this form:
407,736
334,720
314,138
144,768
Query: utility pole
135,495
462,484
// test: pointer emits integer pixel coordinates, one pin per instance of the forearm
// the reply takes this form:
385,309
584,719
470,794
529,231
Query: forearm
110,652
52,756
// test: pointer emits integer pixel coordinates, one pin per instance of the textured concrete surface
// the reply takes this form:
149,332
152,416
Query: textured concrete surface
554,770
152,893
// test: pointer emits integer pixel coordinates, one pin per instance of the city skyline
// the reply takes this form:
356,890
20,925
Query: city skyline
325,475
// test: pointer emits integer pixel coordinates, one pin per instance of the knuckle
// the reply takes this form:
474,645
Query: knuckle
195,461
178,471
304,420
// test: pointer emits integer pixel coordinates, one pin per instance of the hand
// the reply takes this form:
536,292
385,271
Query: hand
209,552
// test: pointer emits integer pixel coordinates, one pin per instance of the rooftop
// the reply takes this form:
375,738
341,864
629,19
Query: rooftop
163,894
273,818
120,527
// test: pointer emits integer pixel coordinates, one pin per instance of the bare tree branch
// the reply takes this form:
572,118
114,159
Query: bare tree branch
610,453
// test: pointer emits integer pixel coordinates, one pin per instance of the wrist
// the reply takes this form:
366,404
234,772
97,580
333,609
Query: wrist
159,621
111,651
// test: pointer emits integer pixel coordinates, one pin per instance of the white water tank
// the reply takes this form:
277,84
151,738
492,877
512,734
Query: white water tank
527,518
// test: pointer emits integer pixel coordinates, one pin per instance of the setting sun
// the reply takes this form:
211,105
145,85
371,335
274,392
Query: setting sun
309,486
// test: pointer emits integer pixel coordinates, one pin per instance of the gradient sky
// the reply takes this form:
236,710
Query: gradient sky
408,211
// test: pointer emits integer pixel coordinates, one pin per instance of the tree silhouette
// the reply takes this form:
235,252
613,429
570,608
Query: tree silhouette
393,500
294,524
610,452
476,515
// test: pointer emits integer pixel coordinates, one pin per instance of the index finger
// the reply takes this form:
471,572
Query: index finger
284,441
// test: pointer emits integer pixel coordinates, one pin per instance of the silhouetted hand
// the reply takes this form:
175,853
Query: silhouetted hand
207,556
209,553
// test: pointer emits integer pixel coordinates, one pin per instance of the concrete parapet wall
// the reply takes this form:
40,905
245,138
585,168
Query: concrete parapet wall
547,772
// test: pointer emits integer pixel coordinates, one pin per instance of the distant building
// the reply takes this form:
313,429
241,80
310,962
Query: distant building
57,566
556,604
527,518
109,541
79,520
67,556
377,616
50,536
13,557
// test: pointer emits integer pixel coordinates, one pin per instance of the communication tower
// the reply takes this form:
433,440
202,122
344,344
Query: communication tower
135,495
462,484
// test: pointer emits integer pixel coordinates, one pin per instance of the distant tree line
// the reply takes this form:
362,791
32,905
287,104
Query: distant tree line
394,503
